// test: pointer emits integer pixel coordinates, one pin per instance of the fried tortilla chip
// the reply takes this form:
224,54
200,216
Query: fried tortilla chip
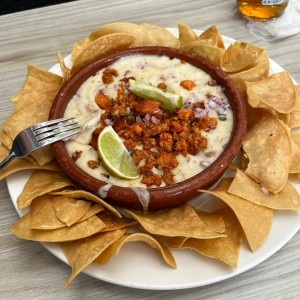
255,220
81,194
268,146
43,215
161,36
276,91
212,32
295,113
22,229
70,210
102,46
239,56
83,252
179,221
79,47
295,164
66,72
136,237
40,183
93,210
225,249
246,188
139,33
113,222
186,34
22,164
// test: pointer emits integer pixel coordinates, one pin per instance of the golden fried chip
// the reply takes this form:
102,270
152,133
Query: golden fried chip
139,33
268,146
79,47
22,229
276,91
259,70
93,210
112,222
225,249
238,57
294,177
40,183
211,53
246,188
81,194
179,221
295,164
295,113
66,72
70,210
212,32
43,215
255,220
161,36
213,221
102,46
82,252
136,237
186,34
22,164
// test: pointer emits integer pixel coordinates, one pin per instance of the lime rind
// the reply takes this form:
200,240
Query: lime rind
169,101
114,155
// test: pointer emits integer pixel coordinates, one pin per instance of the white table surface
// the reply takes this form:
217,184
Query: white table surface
27,270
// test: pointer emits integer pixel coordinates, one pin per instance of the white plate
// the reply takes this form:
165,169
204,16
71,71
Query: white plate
140,266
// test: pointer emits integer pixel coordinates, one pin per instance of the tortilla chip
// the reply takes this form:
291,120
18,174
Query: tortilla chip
136,237
79,47
295,164
43,215
161,36
294,177
179,221
186,34
211,53
276,91
112,222
81,194
268,146
255,220
40,183
22,229
22,164
101,47
139,33
238,57
212,32
66,72
93,210
246,188
70,210
295,113
226,249
81,253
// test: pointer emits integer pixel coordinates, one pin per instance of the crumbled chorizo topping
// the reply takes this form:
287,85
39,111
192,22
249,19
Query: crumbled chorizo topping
162,85
93,164
76,155
108,75
188,84
154,136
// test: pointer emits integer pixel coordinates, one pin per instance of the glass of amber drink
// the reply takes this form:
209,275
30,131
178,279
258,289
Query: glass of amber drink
261,9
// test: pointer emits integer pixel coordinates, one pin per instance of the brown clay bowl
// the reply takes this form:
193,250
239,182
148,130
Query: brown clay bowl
161,197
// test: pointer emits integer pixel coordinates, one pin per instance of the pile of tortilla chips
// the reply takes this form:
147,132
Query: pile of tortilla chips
90,230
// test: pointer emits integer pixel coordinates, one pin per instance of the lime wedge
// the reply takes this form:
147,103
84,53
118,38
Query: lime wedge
114,155
170,101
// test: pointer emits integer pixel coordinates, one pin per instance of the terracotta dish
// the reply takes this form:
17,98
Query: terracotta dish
160,197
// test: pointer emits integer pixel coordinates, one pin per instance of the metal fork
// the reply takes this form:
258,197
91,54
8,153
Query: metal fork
40,135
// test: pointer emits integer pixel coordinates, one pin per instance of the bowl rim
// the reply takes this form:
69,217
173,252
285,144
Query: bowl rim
180,192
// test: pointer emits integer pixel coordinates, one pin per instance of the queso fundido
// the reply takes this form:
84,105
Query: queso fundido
167,145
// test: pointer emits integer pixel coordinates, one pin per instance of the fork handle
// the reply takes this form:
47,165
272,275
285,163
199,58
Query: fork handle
7,160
